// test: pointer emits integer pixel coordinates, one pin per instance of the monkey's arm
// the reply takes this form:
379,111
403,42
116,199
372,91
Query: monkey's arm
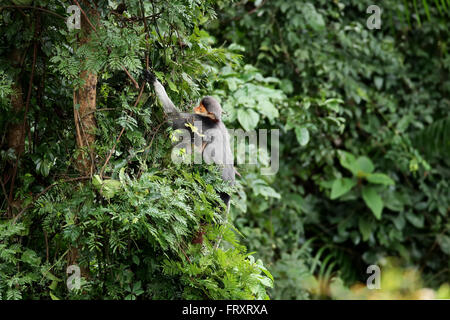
169,107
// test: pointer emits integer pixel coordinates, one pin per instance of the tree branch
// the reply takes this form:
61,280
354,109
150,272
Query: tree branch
34,8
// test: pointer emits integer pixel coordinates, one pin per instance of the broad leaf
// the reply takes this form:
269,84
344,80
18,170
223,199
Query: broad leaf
444,243
315,19
417,220
365,227
248,118
268,109
373,201
333,104
364,165
302,135
348,161
341,187
380,178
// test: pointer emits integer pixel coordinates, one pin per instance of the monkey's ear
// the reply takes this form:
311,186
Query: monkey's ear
149,76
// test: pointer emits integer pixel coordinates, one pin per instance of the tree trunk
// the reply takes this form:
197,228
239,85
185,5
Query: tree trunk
16,130
84,102
15,135
84,106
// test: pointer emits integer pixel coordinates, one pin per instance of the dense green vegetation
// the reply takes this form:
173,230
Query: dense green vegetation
85,150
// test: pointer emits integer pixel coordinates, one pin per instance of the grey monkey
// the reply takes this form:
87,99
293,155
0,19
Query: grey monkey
215,146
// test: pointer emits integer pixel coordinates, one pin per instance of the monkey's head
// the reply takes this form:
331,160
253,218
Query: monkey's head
209,107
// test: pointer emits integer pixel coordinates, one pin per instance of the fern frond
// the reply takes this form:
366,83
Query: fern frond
434,140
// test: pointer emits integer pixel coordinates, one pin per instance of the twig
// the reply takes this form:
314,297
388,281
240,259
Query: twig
136,85
189,260
85,16
156,131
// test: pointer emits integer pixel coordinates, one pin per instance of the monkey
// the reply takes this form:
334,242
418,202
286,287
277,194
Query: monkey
215,143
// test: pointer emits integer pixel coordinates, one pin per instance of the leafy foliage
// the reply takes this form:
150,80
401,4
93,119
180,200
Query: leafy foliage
362,158
132,226
363,174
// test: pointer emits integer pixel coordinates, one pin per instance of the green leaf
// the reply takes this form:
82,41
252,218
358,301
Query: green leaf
53,296
261,266
404,122
248,119
265,191
286,86
373,201
30,257
362,94
348,161
135,259
268,109
97,181
444,243
302,135
364,165
232,83
333,104
399,222
110,188
378,82
341,187
53,285
380,178
265,281
365,227
417,220
314,19
136,286
50,276
172,86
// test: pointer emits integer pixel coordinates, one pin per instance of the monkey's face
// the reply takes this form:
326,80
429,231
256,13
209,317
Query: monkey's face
209,107
201,110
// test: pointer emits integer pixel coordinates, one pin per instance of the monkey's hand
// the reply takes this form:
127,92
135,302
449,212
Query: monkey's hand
149,76
169,107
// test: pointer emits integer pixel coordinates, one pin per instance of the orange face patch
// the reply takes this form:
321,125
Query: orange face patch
200,109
